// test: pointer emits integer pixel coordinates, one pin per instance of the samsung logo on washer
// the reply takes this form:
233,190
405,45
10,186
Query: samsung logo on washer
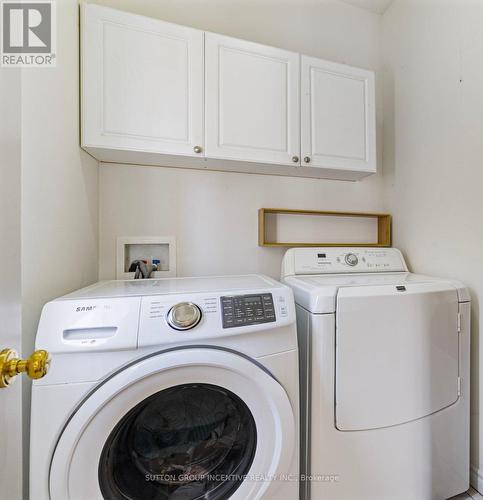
85,308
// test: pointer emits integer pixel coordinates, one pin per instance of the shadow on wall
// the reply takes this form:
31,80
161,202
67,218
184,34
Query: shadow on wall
389,139
475,381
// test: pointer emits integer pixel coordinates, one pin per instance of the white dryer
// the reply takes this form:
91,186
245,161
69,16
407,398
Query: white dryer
385,376
176,388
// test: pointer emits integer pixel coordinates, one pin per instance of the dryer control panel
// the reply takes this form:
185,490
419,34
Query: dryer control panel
341,260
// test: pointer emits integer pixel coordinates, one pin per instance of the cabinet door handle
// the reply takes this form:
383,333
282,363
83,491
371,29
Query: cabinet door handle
307,159
197,149
295,159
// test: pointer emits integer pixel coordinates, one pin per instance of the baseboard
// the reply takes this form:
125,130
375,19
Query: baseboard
476,478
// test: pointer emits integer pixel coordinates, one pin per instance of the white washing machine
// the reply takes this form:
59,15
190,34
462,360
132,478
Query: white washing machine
385,376
176,388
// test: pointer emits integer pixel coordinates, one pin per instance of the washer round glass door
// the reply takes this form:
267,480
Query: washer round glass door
180,443
187,423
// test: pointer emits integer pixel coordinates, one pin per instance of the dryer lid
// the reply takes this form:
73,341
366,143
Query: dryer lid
397,354
318,293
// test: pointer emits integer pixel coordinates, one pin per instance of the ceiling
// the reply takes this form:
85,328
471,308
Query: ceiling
377,6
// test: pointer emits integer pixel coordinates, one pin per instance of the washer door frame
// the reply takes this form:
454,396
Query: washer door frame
75,460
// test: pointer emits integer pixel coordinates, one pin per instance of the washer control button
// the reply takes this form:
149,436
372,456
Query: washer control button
351,259
184,316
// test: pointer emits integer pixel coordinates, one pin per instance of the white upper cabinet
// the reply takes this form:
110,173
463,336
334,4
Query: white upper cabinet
252,101
338,117
156,93
142,83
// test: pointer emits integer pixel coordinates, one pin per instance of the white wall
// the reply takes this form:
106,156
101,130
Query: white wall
59,180
433,150
59,207
214,215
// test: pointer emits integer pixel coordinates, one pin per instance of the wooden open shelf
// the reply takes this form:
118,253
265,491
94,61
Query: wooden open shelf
384,228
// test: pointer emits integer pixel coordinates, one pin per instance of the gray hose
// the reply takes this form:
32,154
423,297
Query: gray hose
142,270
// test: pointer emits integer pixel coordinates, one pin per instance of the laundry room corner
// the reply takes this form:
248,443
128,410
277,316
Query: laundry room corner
59,185
241,249
432,152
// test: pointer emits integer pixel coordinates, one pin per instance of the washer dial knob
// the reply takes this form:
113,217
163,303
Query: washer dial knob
351,259
184,316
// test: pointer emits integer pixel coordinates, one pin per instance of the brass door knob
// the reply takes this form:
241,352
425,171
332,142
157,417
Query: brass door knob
295,159
307,159
36,366
197,149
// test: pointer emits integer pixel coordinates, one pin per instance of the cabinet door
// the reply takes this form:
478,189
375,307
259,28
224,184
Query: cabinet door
142,83
252,101
338,116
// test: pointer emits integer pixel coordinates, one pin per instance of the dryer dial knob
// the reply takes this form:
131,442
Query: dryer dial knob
184,316
351,259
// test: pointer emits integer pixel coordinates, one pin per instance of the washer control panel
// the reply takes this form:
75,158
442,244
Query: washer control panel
341,260
243,310
197,316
